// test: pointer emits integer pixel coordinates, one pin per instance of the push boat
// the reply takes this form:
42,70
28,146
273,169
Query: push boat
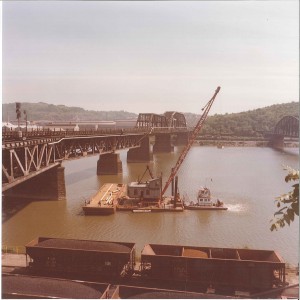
204,202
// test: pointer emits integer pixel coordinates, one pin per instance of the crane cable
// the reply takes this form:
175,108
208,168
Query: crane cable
194,134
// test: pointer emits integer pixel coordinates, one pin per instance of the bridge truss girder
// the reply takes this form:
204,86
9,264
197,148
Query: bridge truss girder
23,160
169,119
288,126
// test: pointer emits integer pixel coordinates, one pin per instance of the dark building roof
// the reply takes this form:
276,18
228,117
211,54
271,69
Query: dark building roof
48,287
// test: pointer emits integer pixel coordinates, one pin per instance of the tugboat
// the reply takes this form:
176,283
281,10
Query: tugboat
205,202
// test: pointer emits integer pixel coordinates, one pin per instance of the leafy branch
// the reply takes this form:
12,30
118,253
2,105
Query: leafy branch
288,204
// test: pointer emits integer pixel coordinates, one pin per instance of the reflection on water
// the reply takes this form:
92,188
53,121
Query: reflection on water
247,180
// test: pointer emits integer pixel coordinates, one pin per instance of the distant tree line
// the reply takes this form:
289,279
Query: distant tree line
245,124
50,112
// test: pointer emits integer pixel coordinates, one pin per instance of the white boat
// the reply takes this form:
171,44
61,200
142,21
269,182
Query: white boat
205,202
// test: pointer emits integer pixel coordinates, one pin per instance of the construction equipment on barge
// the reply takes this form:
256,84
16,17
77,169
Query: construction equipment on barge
149,196
192,138
139,190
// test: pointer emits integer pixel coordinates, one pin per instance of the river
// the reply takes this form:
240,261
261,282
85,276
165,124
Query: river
246,179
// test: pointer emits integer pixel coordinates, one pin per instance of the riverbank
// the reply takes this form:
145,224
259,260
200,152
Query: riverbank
241,143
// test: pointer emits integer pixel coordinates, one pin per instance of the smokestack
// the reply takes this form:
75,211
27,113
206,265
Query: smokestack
176,191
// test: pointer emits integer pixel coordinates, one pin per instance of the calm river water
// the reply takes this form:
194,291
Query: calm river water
246,179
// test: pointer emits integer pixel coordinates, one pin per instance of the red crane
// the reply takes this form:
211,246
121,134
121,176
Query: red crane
193,136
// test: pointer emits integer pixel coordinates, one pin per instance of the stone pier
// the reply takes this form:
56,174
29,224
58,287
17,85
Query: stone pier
277,142
109,164
48,185
163,143
182,138
142,153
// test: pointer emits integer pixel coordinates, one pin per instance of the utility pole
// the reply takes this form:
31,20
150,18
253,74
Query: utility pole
25,113
18,112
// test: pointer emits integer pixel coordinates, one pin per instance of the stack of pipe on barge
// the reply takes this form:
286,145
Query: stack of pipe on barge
104,202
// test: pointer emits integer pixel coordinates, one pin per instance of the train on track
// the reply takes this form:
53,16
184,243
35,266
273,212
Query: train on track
205,267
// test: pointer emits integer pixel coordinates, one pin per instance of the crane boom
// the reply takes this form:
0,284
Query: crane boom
194,134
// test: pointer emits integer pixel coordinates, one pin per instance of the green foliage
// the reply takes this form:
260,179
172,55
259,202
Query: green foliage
245,124
50,112
288,204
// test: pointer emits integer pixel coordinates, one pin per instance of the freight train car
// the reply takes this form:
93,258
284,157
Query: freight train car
111,259
219,268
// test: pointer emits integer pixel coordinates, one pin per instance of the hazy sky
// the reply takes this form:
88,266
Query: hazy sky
151,56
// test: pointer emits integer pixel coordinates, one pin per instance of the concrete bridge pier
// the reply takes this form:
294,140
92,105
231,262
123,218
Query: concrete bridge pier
109,164
277,142
48,185
163,143
142,153
182,138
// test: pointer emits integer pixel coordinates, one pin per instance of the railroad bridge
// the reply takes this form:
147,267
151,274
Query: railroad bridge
287,127
32,161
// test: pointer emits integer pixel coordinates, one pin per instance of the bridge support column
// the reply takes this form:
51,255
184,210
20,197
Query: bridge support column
109,164
182,138
163,143
142,153
277,142
48,185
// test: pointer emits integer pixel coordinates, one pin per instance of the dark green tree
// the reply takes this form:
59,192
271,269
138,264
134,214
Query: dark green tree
288,204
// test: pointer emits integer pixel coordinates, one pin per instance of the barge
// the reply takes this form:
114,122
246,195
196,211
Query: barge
104,202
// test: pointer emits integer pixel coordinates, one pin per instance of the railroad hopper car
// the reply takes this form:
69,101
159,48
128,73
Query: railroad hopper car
111,259
16,286
219,268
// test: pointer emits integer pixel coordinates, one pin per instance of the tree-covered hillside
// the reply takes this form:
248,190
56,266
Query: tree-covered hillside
249,123
50,112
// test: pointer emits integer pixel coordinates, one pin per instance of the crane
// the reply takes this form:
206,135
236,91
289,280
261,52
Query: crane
194,134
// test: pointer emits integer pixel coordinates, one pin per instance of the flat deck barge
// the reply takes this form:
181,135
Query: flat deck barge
136,206
114,196
104,202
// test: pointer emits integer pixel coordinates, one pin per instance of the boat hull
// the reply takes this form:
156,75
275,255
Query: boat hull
98,210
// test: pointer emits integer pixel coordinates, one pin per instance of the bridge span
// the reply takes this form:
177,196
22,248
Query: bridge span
287,127
33,161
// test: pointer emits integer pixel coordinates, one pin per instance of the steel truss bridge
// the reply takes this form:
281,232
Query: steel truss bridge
38,151
288,126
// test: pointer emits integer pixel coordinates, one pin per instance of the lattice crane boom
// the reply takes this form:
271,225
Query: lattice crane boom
194,134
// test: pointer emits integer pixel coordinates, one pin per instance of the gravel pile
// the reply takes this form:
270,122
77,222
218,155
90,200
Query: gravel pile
83,245
47,287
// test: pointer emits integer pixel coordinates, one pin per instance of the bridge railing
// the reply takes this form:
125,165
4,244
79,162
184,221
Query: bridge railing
7,134
38,133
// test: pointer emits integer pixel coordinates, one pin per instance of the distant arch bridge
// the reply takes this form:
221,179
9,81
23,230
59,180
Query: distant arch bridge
287,127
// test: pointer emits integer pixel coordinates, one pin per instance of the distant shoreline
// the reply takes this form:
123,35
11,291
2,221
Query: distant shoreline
239,143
